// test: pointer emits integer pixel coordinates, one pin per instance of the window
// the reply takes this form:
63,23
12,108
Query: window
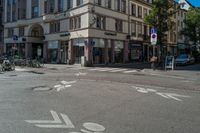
79,2
133,28
133,9
139,29
35,8
98,2
69,4
139,12
101,22
145,12
118,25
60,5
21,31
123,4
55,27
51,6
117,5
75,23
10,32
108,3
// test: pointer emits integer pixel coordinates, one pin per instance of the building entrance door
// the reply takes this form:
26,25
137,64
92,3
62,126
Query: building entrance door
64,52
78,52
37,50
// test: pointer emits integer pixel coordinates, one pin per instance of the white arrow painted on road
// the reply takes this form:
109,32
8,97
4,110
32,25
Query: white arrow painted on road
55,123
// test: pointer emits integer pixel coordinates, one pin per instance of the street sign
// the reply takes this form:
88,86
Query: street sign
154,36
154,39
15,38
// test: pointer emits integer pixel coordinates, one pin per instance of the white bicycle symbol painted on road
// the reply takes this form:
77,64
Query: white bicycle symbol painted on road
91,128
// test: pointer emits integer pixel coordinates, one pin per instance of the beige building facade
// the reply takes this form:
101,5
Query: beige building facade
63,31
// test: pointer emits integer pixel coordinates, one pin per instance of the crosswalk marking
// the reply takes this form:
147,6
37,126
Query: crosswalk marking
119,70
132,71
113,70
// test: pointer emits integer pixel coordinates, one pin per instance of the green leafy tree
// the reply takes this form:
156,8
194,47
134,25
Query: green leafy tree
161,18
192,25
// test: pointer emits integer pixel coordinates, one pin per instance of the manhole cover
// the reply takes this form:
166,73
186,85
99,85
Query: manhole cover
41,88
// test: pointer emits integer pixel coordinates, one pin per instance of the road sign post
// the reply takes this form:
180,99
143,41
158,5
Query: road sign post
153,43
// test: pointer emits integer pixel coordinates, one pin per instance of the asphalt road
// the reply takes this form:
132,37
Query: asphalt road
73,100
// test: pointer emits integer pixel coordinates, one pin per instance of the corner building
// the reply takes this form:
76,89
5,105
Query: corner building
62,31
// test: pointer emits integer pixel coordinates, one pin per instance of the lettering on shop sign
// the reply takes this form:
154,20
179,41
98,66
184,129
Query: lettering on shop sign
65,34
62,121
172,96
110,34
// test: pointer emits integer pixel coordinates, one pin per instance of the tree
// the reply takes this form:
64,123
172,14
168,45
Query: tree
192,25
161,18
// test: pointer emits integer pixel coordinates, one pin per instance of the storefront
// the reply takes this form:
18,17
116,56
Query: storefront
136,52
78,49
64,51
99,51
52,51
37,50
119,51
17,50
183,48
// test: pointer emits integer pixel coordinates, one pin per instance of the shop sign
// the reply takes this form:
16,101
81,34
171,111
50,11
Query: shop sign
119,45
99,43
110,33
135,45
52,44
65,34
181,46
79,42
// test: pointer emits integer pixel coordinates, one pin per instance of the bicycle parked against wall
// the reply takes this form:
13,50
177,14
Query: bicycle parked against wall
7,65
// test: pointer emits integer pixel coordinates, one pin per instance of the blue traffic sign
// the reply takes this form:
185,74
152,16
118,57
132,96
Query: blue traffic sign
153,30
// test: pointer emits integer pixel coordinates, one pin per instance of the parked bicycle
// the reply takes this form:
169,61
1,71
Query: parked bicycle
7,65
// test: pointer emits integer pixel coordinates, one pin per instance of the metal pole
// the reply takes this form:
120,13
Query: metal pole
154,59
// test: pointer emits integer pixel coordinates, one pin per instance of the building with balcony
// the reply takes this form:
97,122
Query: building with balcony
60,31
1,26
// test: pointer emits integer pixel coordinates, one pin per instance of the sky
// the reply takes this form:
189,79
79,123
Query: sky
195,2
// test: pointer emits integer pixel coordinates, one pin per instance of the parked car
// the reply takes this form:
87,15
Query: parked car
184,59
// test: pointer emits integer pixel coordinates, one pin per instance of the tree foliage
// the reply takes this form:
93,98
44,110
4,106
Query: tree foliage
192,25
161,17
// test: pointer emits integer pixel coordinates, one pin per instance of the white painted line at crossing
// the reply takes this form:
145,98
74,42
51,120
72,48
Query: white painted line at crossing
119,70
68,82
132,71
107,69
